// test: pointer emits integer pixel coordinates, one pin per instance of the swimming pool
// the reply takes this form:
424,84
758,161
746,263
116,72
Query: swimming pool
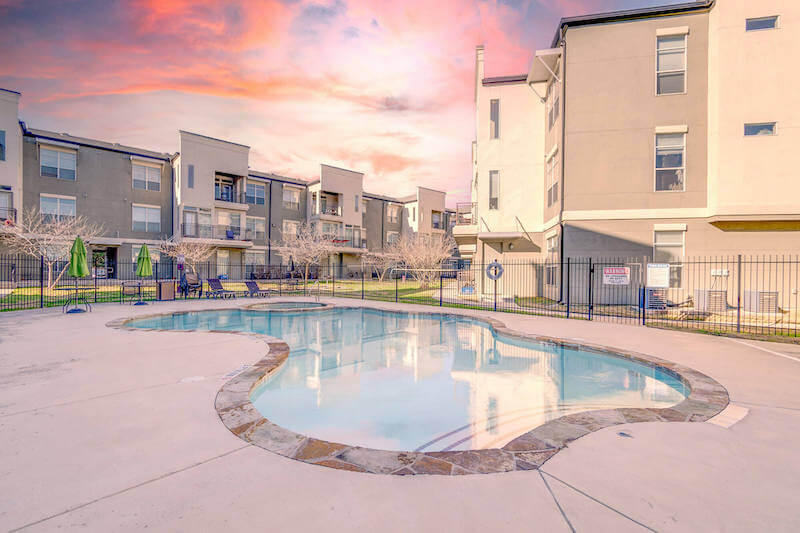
288,305
424,382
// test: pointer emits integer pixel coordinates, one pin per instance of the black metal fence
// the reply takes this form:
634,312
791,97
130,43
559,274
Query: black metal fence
752,295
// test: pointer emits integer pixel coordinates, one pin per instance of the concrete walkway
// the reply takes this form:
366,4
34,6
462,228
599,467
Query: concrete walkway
104,429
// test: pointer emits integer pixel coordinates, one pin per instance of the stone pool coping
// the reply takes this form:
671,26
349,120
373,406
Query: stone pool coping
529,451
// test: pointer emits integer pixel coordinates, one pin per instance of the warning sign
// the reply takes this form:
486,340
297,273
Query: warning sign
616,275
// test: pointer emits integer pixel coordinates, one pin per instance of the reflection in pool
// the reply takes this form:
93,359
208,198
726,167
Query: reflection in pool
401,381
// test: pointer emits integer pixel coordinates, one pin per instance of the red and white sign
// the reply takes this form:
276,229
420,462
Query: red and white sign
616,275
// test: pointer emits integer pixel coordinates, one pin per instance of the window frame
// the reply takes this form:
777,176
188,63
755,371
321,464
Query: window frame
148,208
3,145
255,197
655,163
290,205
551,178
295,223
189,176
774,125
60,198
494,124
672,265
496,196
776,26
59,151
256,235
390,234
147,182
685,69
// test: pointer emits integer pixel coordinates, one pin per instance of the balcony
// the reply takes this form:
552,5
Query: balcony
341,242
8,214
221,232
466,214
332,210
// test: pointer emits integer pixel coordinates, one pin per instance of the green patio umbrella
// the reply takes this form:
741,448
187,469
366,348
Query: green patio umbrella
78,268
144,268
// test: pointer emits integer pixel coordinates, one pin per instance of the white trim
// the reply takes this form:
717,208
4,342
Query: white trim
552,233
678,30
58,144
669,227
119,241
146,205
635,214
683,167
144,161
551,153
682,128
685,67
62,196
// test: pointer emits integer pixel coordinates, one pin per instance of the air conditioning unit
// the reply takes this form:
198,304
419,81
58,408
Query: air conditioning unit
711,300
655,299
760,301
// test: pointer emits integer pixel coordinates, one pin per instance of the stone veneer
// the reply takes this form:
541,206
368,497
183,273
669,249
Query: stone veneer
526,452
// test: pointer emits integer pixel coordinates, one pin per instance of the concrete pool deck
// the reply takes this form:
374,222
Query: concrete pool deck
107,429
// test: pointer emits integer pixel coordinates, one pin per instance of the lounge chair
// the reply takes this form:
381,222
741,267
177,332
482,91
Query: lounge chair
190,282
129,290
254,290
216,290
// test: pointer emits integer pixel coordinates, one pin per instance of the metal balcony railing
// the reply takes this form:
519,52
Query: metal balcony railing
466,213
205,231
335,210
437,224
8,214
225,194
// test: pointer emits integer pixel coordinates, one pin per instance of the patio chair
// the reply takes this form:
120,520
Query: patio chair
216,290
190,282
130,290
254,290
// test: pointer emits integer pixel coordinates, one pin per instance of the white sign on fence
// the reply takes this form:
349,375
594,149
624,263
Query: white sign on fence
616,276
658,275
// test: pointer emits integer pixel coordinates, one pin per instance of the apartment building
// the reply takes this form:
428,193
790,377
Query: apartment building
657,133
204,192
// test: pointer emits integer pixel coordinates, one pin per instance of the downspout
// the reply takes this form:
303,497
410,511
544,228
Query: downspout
563,154
269,227
383,219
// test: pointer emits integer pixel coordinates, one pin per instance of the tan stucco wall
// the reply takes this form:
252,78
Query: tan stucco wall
11,168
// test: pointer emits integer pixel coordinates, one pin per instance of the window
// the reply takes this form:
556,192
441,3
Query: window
224,189
436,220
146,218
190,180
670,163
155,255
256,228
57,164
761,23
550,270
2,145
255,194
392,237
552,180
197,222
6,205
57,207
356,204
553,106
363,206
494,119
146,178
229,220
671,64
291,198
394,214
254,258
494,189
759,128
331,229
668,248
413,214
291,227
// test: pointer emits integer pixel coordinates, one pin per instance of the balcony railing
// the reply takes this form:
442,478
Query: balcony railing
234,233
224,194
348,243
437,224
334,210
8,213
466,214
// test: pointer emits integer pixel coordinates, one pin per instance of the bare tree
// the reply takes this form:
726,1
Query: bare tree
192,252
424,255
47,236
381,262
307,247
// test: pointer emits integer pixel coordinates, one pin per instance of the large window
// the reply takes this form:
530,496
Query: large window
392,237
671,64
494,189
146,218
668,248
759,128
670,161
155,255
256,228
224,189
2,145
552,179
57,164
57,207
393,214
146,178
256,193
291,227
197,222
553,106
254,258
761,23
494,119
291,198
551,270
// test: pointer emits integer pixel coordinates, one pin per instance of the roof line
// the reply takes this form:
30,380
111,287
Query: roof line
629,14
162,157
10,91
213,138
497,80
341,168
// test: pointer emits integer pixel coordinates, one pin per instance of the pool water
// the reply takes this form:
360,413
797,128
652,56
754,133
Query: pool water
290,305
402,381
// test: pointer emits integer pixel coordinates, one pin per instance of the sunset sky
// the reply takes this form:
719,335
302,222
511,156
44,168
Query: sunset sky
382,87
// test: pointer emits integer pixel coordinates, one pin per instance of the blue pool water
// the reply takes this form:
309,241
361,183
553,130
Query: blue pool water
401,381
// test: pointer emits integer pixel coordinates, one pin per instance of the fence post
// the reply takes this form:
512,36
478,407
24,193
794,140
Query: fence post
362,282
440,288
395,287
333,286
41,281
591,272
568,288
495,295
643,303
739,294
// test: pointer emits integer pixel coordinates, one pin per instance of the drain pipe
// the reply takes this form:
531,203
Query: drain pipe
269,228
563,45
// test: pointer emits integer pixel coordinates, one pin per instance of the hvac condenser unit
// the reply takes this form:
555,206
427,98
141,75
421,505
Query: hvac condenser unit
711,300
655,299
760,301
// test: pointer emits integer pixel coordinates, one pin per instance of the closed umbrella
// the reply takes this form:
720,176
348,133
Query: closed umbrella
144,268
78,268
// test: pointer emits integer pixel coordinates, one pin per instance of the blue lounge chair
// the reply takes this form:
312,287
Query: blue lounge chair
254,290
216,290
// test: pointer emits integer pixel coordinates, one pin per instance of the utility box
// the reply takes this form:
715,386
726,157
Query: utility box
760,301
711,300
655,298
165,289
